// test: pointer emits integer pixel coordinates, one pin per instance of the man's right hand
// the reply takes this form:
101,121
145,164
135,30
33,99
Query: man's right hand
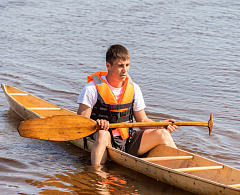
104,124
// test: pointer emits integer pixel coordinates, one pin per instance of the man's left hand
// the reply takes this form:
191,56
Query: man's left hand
171,128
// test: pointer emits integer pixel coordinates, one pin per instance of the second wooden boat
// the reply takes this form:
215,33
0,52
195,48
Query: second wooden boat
176,167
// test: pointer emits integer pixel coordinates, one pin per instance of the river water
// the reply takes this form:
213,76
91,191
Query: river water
185,55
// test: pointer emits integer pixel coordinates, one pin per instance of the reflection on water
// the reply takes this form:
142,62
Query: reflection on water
105,180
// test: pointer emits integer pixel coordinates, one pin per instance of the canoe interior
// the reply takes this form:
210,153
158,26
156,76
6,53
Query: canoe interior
33,103
29,106
226,175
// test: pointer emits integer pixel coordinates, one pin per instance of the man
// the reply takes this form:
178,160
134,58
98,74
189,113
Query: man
113,97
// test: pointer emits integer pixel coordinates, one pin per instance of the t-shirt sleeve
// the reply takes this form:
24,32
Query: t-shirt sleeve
139,103
88,95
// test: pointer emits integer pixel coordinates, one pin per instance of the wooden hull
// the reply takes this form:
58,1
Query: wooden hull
173,166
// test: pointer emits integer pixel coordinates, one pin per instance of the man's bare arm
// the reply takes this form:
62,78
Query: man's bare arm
84,110
140,116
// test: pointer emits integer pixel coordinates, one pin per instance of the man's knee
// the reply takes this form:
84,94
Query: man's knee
102,136
163,134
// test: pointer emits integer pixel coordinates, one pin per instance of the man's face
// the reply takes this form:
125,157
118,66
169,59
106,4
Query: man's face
119,69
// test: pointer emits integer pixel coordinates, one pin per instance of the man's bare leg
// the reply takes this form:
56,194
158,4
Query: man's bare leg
154,137
99,151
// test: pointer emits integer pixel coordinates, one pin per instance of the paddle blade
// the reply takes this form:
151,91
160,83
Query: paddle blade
58,128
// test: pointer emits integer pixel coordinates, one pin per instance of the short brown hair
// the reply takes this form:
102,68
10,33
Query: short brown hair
116,52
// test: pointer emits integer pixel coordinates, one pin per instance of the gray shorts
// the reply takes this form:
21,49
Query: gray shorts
130,145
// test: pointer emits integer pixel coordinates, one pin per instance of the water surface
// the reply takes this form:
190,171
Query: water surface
184,55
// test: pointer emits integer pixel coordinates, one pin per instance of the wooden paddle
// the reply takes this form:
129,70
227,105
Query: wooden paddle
71,127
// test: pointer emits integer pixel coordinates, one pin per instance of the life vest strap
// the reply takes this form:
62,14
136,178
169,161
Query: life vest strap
121,116
117,117
119,106
102,111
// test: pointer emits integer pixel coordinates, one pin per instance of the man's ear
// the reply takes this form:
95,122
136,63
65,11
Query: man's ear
108,65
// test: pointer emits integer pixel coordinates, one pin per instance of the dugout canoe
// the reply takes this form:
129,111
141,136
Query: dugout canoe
176,167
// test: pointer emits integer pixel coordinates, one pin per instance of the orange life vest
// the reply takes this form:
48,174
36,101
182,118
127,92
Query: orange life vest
107,106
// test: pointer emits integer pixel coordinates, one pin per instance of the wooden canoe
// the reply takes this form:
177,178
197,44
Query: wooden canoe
173,166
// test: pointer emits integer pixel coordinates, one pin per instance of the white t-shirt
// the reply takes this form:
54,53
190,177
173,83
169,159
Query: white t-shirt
88,96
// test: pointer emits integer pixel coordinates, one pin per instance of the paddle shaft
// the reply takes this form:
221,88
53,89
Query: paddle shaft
155,124
208,124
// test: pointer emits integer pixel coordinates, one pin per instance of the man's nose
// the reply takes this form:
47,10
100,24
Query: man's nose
125,68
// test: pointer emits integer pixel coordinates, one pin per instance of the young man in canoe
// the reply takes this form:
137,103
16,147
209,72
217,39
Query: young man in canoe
113,97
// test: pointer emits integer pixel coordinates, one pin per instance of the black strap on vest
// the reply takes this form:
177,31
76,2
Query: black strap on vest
103,111
85,143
